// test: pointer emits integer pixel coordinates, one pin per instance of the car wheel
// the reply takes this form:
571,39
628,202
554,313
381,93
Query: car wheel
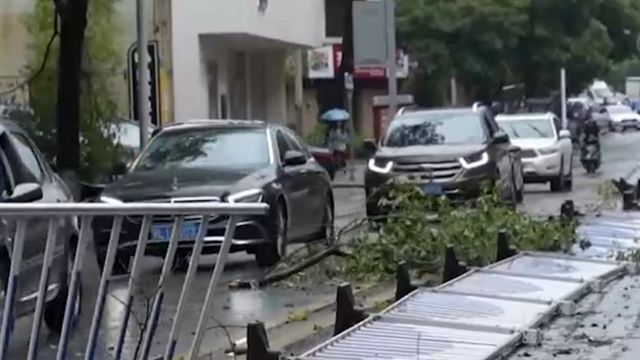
269,254
328,224
568,180
120,265
54,310
557,182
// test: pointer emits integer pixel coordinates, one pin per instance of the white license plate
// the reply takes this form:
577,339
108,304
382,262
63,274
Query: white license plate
162,232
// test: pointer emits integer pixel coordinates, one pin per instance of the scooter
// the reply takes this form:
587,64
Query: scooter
590,157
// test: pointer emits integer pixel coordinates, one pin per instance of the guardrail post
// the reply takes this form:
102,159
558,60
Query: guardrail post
452,266
403,281
258,343
504,249
347,314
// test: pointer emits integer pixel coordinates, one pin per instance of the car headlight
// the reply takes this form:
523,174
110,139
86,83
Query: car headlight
475,160
110,200
548,151
247,196
380,166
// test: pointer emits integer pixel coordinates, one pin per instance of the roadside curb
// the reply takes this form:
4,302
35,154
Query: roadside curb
366,291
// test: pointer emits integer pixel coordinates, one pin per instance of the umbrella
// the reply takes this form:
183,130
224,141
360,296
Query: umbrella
335,115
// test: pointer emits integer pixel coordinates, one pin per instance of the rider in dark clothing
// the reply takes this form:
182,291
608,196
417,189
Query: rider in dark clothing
591,131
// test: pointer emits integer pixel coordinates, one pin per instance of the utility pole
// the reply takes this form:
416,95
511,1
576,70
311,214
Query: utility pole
143,71
454,91
563,96
392,67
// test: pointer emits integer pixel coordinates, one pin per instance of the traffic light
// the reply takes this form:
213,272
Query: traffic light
154,83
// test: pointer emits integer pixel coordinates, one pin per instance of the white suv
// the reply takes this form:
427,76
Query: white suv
546,148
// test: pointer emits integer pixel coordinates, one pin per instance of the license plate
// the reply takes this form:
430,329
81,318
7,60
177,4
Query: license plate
432,189
162,232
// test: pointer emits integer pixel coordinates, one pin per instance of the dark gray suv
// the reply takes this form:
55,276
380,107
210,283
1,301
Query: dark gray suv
26,178
448,152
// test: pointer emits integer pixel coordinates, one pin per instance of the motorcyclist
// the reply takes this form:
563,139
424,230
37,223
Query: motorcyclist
591,131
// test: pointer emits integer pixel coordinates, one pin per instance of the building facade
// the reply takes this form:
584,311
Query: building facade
233,59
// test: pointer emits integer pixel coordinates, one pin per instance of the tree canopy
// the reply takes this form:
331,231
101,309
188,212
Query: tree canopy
486,44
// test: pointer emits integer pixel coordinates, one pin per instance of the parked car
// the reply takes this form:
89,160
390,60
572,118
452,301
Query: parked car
546,148
225,161
622,117
448,152
26,178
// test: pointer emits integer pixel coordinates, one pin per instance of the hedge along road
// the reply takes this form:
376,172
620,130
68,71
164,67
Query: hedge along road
235,308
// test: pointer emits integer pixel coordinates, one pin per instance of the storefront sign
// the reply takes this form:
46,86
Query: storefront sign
321,63
324,63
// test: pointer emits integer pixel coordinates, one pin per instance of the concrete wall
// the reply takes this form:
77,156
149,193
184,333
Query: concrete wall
292,21
14,42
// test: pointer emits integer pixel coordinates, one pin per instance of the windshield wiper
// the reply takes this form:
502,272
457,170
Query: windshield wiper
536,129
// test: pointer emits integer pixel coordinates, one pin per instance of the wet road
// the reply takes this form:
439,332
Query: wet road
235,309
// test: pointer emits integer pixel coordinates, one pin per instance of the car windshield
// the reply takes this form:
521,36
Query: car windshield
619,110
435,129
205,148
602,92
528,128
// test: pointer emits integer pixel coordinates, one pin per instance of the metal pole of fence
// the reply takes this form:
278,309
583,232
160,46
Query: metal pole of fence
143,237
112,249
7,314
157,300
52,236
85,228
191,272
215,279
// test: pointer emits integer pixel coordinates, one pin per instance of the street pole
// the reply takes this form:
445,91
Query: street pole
143,72
563,97
392,67
348,85
454,91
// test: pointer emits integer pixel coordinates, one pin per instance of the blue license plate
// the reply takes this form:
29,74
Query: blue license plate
162,232
432,189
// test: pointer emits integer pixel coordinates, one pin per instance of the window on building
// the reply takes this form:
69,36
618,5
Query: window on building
334,17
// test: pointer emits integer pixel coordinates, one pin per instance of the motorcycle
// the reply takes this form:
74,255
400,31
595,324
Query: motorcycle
590,157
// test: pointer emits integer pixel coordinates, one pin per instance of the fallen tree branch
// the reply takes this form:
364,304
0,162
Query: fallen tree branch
279,276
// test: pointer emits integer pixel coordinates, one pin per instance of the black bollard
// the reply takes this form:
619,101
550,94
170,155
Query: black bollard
403,281
452,266
347,314
628,201
568,211
504,249
258,343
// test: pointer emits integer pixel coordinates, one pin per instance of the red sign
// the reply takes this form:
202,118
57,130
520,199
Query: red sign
370,72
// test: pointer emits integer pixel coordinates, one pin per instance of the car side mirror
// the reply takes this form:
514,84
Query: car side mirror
564,134
25,193
294,158
370,147
500,138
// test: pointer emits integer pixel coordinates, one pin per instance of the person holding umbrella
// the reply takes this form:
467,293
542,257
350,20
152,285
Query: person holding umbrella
337,137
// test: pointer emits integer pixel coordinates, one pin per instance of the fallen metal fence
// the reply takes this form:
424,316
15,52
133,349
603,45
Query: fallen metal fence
85,213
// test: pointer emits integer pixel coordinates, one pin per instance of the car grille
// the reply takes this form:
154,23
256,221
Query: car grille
436,171
528,154
163,219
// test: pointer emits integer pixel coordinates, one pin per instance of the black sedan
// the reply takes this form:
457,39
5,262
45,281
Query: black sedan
226,161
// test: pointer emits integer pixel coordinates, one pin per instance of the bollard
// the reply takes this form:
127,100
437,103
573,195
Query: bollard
403,281
347,314
628,201
568,211
258,343
452,266
504,249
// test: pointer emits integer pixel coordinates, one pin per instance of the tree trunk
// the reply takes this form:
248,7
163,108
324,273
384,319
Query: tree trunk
73,22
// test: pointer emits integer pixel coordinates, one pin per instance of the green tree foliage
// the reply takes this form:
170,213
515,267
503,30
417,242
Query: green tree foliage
98,108
489,43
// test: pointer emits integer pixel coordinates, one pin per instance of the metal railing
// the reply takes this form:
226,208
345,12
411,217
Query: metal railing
85,212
